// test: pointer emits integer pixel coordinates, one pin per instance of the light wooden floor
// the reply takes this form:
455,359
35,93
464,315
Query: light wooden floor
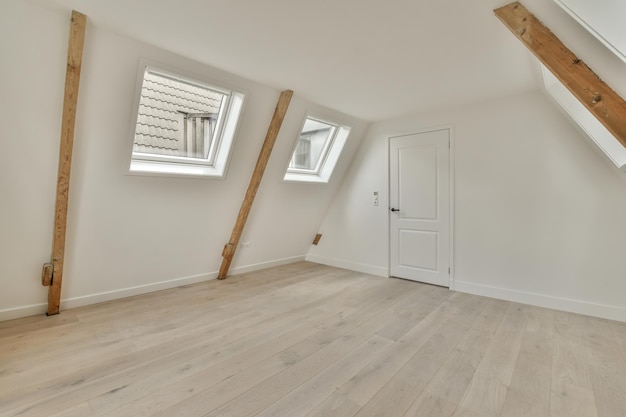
310,340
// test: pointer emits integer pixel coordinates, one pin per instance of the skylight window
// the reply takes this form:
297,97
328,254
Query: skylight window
183,126
317,150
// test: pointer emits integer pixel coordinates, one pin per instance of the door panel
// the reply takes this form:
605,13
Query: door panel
418,249
420,192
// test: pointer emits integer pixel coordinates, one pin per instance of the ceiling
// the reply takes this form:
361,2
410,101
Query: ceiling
374,60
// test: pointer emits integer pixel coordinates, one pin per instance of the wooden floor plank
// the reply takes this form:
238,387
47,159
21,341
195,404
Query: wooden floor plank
304,366
392,400
315,390
607,369
367,382
487,390
449,384
312,340
91,381
534,363
571,392
206,392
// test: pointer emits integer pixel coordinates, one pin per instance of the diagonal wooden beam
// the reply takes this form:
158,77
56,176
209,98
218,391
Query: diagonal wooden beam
72,82
600,99
255,181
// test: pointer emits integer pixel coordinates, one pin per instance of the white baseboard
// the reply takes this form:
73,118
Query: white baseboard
37,309
264,265
84,300
353,266
129,292
557,303
23,311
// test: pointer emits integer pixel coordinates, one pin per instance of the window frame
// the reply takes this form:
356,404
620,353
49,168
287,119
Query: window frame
229,117
328,143
330,154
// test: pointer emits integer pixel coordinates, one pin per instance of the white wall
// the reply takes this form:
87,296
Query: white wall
539,213
129,234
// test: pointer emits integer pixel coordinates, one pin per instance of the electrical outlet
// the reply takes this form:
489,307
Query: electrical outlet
246,244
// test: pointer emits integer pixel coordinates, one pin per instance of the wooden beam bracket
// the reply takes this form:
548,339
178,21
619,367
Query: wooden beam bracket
228,250
47,274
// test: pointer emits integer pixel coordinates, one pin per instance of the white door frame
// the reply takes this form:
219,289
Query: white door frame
450,129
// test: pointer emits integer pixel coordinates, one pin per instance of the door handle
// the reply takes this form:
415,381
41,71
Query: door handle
394,209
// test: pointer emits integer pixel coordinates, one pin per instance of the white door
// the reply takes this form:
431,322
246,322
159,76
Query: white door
419,197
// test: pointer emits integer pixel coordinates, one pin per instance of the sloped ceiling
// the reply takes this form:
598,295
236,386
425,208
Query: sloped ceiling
371,59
